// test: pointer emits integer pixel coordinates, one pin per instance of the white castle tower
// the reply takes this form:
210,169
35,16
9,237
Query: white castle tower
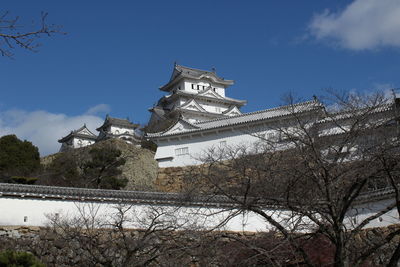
194,95
77,138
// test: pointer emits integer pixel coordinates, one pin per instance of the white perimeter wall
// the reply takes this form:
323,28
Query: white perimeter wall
35,211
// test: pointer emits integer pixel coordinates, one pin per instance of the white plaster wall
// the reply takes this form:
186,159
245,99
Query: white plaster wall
80,142
199,145
220,90
13,211
120,130
193,118
211,106
362,212
188,86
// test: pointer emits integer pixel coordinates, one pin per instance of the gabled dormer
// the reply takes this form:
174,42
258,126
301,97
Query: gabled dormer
233,111
77,138
193,105
210,92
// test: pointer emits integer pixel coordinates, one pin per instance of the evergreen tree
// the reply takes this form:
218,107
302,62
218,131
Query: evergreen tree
102,170
17,158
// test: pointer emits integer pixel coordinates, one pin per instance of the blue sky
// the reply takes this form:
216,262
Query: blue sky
116,54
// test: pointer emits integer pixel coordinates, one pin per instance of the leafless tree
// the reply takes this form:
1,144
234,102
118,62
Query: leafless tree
126,235
317,167
13,34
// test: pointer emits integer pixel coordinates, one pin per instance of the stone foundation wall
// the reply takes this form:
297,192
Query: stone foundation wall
197,248
170,179
42,243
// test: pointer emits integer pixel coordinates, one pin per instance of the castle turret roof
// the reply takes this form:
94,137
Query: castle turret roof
82,132
181,72
117,122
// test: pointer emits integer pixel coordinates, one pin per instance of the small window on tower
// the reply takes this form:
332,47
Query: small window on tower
182,151
198,87
193,86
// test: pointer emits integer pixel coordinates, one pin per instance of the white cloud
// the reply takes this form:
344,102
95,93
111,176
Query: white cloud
43,128
362,25
98,109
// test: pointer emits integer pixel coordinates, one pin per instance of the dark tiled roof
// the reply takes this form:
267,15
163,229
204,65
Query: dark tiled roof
118,196
118,122
225,99
267,114
186,72
76,133
122,196
343,115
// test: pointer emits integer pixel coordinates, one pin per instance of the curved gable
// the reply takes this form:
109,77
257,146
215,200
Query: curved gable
233,111
193,105
210,93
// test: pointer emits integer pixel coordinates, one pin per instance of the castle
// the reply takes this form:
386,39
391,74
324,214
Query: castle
199,117
111,128
202,118
196,95
196,115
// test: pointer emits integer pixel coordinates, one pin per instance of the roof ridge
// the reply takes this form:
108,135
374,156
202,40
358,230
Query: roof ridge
259,111
194,68
180,119
345,114
198,95
85,127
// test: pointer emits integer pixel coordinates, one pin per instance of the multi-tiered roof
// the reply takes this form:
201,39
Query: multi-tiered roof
195,95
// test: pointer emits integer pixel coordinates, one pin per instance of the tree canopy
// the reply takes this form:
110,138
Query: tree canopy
17,158
96,167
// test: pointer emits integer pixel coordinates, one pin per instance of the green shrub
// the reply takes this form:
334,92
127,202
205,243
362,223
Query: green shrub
12,258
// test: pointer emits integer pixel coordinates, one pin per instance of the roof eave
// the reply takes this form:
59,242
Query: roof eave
223,126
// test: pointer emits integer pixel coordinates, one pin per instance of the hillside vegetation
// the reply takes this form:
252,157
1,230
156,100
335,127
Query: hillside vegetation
132,166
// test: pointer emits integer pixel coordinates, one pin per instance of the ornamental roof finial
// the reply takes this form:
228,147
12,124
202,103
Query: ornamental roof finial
214,70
